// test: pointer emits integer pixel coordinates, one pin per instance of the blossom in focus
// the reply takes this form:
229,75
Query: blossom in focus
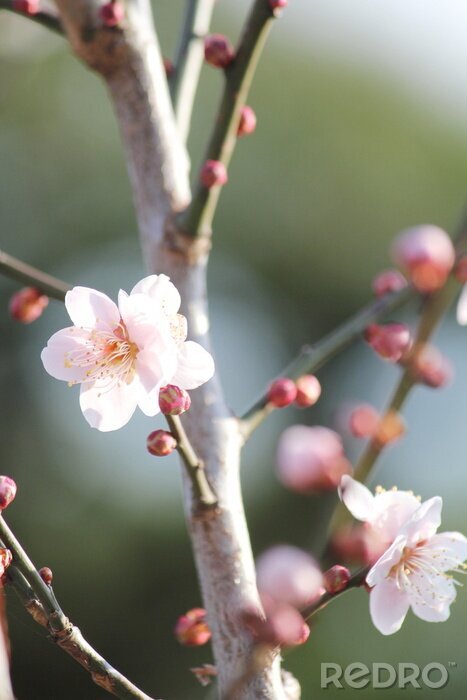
311,459
413,572
122,355
289,575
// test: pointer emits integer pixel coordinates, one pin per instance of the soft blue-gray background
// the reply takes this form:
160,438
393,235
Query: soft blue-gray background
361,132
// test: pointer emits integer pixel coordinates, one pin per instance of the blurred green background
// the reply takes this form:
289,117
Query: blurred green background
342,159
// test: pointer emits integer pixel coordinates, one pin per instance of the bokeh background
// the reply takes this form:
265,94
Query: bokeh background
362,113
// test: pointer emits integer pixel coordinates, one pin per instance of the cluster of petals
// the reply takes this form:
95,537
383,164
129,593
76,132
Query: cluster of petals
311,459
413,570
122,355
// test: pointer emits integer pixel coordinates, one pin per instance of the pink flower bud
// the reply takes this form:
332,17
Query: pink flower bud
191,629
247,122
390,428
278,5
426,254
461,269
308,390
289,575
282,392
283,625
363,421
27,7
6,558
218,51
27,305
387,282
431,368
390,341
7,491
358,544
213,173
112,13
173,400
311,459
46,575
336,578
161,443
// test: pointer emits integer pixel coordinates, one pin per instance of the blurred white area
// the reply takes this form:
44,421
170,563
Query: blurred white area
420,44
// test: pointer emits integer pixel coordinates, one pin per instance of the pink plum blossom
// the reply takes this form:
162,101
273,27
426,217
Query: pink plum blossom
412,573
289,575
122,355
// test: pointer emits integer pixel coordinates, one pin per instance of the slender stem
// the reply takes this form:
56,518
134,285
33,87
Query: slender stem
357,580
40,602
189,60
315,356
204,495
197,219
18,270
46,19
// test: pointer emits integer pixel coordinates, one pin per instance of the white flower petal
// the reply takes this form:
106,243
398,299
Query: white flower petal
424,522
433,597
388,607
109,409
161,290
383,566
148,402
54,355
448,548
392,509
195,366
462,307
149,369
89,308
357,498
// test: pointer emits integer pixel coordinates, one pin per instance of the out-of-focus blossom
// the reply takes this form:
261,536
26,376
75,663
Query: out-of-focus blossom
387,282
27,304
289,575
426,254
192,629
390,341
282,392
281,625
430,367
308,390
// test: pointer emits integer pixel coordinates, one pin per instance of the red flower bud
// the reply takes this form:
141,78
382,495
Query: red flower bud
363,421
161,443
387,282
192,629
427,254
390,341
247,123
336,578
46,575
173,400
218,51
27,305
7,491
27,7
213,173
112,13
308,390
278,5
282,392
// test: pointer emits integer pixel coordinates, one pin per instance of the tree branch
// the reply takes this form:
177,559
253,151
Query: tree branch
357,580
197,220
22,272
46,19
40,602
189,60
315,356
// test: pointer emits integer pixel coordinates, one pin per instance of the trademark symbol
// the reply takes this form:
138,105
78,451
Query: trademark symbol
452,664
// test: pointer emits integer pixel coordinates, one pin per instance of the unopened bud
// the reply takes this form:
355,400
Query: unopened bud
461,269
7,491
6,558
390,428
336,578
46,575
161,443
278,5
27,305
112,13
358,544
282,392
173,400
363,421
283,625
191,629
289,575
218,51
390,341
27,7
311,459
426,254
213,174
431,368
308,390
247,123
387,282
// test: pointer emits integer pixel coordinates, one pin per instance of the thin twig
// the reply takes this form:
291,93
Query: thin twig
204,495
189,60
197,219
357,580
315,356
46,19
40,602
18,270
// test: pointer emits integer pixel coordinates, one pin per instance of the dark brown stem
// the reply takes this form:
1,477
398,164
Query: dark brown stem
22,272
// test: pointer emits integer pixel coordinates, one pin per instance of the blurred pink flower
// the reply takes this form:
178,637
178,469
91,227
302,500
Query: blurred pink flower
122,355
426,253
289,575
